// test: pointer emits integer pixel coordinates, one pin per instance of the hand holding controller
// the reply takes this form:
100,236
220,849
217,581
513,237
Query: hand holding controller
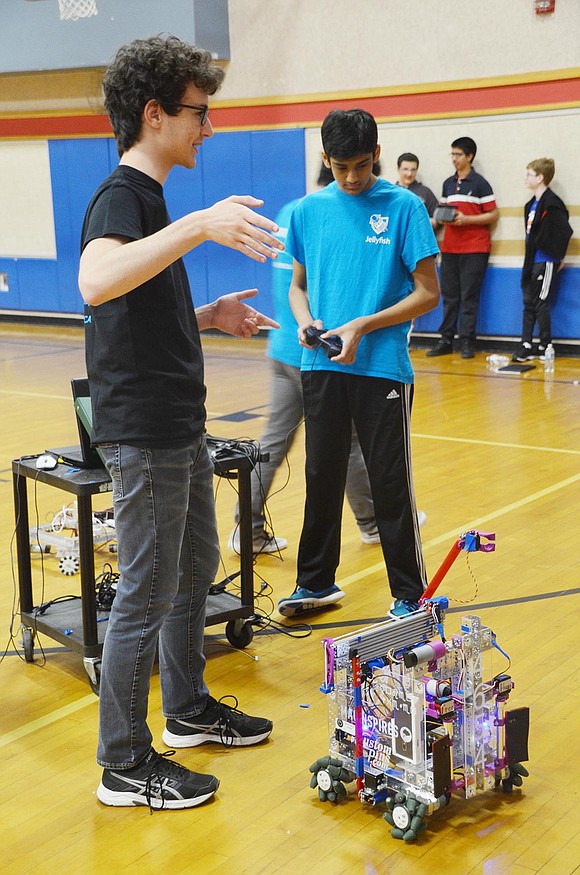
332,345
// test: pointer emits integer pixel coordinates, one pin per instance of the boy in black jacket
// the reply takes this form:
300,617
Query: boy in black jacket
547,235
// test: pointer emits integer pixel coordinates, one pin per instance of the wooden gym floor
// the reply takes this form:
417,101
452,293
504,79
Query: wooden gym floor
499,453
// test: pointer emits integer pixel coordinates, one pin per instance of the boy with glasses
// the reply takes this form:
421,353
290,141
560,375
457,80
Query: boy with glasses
145,369
465,249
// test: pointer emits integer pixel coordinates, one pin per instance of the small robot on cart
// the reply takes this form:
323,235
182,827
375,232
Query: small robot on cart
61,535
413,718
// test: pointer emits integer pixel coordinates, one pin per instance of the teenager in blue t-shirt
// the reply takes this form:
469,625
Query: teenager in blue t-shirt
286,411
363,269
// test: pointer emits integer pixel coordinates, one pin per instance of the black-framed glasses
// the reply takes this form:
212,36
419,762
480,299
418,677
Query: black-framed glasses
203,111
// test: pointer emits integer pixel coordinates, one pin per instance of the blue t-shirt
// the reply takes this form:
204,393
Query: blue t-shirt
359,252
283,343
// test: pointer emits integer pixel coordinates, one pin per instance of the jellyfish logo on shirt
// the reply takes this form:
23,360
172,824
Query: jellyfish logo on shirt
379,223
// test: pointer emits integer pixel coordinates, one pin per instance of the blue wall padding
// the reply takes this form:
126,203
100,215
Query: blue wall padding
500,305
267,164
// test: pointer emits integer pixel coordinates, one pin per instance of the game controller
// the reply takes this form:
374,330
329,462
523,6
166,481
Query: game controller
445,213
332,345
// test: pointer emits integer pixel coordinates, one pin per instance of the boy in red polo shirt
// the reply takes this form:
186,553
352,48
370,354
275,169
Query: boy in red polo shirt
464,249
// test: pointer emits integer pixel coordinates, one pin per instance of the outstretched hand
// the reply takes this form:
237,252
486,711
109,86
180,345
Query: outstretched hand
232,223
231,315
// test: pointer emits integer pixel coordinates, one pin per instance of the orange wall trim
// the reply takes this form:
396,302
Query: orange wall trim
469,101
54,126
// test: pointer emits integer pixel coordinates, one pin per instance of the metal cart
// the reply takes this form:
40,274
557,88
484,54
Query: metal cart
75,623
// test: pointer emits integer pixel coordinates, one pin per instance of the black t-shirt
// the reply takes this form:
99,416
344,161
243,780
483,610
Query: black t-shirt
143,351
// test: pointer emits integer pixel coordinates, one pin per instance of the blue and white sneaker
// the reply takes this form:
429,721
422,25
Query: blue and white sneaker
306,600
402,608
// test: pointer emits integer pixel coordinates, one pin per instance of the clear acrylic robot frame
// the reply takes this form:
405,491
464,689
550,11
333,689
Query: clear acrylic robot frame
412,717
61,537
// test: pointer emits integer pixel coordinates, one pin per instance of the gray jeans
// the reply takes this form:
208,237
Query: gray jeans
286,414
168,556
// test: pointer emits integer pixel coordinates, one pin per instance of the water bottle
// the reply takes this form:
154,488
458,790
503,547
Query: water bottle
549,357
498,361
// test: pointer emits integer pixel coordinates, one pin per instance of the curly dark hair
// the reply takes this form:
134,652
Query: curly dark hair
160,68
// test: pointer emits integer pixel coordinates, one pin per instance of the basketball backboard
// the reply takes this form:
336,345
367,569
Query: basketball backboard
35,38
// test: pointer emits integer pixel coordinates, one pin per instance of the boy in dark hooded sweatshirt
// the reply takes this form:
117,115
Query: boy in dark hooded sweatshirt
547,235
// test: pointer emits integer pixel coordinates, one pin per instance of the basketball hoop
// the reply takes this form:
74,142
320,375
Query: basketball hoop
72,10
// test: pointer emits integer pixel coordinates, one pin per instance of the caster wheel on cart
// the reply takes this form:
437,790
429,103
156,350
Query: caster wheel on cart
96,685
28,644
93,669
239,633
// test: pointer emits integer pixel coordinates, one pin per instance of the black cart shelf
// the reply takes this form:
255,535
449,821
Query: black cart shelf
76,623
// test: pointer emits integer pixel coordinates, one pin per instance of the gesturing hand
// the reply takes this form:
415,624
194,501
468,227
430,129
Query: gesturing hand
232,223
234,317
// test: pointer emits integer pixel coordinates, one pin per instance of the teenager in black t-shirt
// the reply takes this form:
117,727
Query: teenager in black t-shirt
145,369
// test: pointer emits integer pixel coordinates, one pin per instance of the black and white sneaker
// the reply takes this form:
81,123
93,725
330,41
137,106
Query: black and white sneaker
523,353
220,723
156,782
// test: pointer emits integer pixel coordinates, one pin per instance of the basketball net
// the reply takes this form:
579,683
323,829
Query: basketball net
72,10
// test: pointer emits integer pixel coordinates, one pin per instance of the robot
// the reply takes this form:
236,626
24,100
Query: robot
412,717
61,535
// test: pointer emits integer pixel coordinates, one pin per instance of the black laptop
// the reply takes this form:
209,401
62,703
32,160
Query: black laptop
83,456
